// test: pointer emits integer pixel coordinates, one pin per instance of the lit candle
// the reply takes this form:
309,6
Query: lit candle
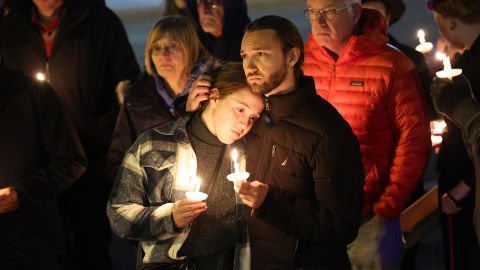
236,166
448,72
437,128
40,76
424,46
196,195
237,176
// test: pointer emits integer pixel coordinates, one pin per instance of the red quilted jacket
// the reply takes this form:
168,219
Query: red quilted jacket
377,90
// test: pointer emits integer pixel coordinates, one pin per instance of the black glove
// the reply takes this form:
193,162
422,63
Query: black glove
446,94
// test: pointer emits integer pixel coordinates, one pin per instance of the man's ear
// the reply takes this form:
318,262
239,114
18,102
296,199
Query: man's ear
293,56
452,23
357,12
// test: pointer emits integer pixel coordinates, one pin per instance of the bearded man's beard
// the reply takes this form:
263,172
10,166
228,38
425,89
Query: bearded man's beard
272,82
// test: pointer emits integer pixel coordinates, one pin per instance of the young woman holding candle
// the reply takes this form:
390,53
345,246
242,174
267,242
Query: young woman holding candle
147,202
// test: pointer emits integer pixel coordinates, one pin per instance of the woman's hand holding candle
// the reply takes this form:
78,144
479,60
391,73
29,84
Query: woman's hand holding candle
185,211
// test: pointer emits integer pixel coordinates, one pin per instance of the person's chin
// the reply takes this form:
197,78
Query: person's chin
322,38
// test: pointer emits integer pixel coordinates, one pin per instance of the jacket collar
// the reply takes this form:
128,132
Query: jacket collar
284,105
177,129
161,87
74,12
470,54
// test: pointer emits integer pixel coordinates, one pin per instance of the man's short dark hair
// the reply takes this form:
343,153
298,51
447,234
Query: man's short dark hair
286,32
467,11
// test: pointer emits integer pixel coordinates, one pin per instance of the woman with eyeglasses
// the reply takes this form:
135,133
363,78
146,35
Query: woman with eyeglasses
220,23
174,58
147,202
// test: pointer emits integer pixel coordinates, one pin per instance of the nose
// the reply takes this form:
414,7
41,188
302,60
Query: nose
244,122
249,65
166,52
321,20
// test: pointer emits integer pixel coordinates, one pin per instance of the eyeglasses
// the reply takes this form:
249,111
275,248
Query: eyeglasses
324,14
211,3
169,49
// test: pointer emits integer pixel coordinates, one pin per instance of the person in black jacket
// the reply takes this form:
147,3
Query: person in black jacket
306,173
219,23
459,24
81,49
40,156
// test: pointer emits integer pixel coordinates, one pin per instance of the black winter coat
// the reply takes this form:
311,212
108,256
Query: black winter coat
90,56
143,109
307,154
40,156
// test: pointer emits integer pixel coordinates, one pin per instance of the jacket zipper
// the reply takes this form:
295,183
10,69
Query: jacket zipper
264,140
332,83
47,72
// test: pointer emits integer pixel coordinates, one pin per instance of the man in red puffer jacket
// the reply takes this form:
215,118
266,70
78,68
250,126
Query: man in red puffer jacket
377,90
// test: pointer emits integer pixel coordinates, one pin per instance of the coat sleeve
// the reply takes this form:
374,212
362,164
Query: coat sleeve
467,116
335,213
122,138
122,63
412,144
128,209
66,158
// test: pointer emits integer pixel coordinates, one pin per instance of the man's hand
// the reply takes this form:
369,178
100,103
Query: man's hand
253,193
8,200
447,94
449,206
185,211
200,91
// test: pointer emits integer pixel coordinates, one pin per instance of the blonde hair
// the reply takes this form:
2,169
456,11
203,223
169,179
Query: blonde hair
180,29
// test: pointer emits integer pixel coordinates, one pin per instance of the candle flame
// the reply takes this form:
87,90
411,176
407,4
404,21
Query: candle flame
438,127
40,76
440,56
421,36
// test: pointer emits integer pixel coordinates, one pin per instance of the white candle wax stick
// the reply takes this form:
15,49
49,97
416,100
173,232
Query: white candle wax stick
197,184
448,72
446,64
236,166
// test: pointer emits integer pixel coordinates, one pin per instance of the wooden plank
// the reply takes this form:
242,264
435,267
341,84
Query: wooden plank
419,210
